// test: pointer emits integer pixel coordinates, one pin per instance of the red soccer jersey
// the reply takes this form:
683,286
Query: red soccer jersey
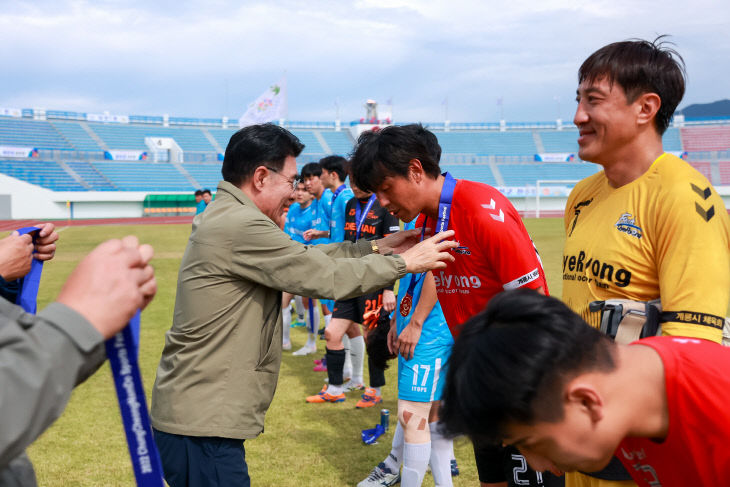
695,452
495,253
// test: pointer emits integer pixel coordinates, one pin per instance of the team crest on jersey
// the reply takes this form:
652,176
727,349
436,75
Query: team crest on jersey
462,250
627,224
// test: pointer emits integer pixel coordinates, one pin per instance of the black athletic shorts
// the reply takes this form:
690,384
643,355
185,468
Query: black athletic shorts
499,464
354,309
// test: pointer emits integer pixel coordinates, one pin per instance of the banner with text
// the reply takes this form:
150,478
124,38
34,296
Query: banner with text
105,117
9,151
555,157
125,155
11,112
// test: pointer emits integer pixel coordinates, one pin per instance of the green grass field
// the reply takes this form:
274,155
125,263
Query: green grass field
304,444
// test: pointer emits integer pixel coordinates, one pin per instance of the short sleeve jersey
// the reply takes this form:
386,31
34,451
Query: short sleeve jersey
322,215
337,220
298,221
377,223
495,253
434,332
666,235
695,450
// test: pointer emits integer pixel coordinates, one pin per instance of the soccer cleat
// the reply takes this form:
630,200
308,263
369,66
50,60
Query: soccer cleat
286,345
381,476
298,323
454,468
351,386
320,368
369,399
324,396
305,350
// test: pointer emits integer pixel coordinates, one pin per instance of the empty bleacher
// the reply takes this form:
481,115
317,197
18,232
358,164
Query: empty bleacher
724,167
481,173
143,176
131,137
529,174
77,137
31,133
47,174
488,143
91,176
207,175
698,139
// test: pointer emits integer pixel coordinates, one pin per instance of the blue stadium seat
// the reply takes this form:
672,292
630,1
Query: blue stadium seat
37,134
42,173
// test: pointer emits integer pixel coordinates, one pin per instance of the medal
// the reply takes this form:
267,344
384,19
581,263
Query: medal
405,305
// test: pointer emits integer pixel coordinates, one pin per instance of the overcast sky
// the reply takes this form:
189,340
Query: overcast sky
212,58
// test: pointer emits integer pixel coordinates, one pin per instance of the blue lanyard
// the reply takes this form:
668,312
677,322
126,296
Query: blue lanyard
28,293
361,215
121,351
444,213
337,192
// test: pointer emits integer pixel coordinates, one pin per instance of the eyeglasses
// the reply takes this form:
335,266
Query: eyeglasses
294,182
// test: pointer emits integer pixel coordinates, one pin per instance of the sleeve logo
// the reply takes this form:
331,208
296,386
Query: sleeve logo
704,194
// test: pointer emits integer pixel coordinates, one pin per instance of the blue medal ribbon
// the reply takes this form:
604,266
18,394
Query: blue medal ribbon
361,215
337,192
29,284
121,350
122,353
442,224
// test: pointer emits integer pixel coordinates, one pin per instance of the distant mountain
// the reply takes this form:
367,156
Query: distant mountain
719,108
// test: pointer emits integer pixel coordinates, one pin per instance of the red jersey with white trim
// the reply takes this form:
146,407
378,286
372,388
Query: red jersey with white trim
495,253
695,451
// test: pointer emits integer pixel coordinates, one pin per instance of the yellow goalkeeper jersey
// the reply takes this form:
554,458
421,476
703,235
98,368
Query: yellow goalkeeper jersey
665,235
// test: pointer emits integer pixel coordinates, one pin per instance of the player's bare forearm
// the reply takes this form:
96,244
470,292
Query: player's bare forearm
427,300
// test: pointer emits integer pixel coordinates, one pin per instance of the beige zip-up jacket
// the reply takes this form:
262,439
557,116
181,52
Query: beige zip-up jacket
220,364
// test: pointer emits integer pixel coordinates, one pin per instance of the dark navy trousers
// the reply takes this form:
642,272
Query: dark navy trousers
202,461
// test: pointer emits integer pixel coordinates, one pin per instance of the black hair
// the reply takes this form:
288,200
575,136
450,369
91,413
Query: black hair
639,67
258,145
198,192
311,169
336,164
206,190
388,152
511,361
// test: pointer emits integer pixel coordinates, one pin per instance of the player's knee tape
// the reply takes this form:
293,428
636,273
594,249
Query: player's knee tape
413,416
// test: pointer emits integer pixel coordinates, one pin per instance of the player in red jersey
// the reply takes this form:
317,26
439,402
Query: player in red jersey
659,404
495,251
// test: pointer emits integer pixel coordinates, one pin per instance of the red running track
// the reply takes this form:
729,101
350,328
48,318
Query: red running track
6,225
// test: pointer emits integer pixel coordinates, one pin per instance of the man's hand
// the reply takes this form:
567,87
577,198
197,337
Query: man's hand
110,284
388,300
15,256
45,247
399,242
430,254
313,234
408,339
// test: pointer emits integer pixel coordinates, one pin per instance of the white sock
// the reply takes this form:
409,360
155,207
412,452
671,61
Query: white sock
357,357
395,458
313,321
378,391
441,450
312,340
327,319
415,461
300,307
347,368
286,312
335,390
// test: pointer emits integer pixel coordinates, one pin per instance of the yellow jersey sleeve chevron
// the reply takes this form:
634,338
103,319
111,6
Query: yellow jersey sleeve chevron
665,235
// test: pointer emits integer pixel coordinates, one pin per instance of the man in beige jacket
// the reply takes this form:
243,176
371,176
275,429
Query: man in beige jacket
220,364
